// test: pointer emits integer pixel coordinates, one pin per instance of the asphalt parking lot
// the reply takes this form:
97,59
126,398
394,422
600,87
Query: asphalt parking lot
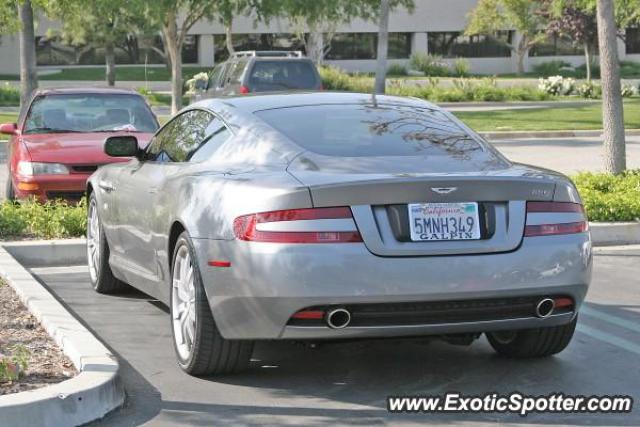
347,383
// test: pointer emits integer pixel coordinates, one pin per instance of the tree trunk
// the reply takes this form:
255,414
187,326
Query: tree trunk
315,45
110,61
228,31
522,48
173,48
587,60
612,113
383,45
28,69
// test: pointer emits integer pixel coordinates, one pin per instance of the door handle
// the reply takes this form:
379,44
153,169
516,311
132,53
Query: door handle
105,186
152,190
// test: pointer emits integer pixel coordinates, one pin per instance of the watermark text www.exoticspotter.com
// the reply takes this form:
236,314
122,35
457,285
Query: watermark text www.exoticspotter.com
516,403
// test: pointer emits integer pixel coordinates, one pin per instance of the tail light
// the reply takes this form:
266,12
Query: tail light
568,218
314,225
244,90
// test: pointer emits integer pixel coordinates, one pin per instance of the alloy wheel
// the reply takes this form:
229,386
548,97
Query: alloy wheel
183,298
93,240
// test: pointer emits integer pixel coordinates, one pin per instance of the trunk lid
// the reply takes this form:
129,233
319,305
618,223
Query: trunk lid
379,200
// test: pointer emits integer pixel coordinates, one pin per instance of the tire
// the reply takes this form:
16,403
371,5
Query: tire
532,343
102,279
9,192
199,347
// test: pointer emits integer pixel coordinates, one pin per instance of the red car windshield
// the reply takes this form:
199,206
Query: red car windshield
89,113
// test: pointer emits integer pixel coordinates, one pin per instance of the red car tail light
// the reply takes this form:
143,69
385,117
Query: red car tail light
244,90
312,225
571,226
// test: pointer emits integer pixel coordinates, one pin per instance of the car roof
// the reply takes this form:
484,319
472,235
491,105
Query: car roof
271,100
85,90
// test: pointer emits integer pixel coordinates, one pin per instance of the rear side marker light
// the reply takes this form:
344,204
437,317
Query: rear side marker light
217,263
246,227
572,227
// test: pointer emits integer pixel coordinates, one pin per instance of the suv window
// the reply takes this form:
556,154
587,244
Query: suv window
215,76
181,137
282,75
235,74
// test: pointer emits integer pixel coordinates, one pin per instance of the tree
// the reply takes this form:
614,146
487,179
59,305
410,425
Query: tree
227,9
577,25
8,17
27,40
383,46
320,17
523,16
626,12
175,18
98,23
612,112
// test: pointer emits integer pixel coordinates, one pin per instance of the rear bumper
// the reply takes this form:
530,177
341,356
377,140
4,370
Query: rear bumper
267,283
71,186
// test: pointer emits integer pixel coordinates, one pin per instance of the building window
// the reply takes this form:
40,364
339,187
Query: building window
556,46
190,50
632,40
454,44
264,41
399,45
353,46
131,50
365,46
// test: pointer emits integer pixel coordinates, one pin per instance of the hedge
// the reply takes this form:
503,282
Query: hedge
463,90
608,197
50,220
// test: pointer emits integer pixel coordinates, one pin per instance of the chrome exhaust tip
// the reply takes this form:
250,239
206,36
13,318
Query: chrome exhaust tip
545,308
338,318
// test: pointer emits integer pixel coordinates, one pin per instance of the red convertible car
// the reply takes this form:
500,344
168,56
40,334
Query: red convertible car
59,138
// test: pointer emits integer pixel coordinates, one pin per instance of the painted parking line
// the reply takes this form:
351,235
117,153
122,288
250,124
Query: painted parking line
67,269
609,339
615,320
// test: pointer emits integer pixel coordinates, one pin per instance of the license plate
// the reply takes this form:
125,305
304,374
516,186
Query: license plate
444,221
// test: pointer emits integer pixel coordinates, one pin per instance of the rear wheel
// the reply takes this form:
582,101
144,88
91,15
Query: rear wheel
530,343
102,278
200,348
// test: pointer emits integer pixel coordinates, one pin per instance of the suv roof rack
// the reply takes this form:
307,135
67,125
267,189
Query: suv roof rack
272,53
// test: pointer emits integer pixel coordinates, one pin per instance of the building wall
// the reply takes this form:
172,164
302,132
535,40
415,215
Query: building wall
9,55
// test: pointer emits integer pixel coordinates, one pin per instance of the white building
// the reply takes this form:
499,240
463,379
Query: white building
434,27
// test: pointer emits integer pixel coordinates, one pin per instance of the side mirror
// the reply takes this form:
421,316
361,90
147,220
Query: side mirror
122,146
9,128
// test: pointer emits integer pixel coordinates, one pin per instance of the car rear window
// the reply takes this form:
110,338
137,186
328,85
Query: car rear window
93,112
282,75
368,130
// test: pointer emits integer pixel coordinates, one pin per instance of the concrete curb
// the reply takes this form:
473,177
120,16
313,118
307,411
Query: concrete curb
615,233
95,391
48,253
495,136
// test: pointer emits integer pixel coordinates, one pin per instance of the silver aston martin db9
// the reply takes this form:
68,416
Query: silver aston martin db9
325,216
